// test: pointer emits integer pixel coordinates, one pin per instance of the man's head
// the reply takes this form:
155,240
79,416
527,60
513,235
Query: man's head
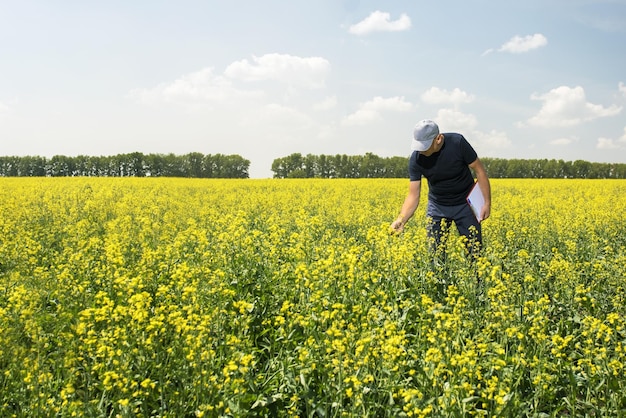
423,135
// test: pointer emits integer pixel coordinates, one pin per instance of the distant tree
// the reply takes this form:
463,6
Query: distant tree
398,167
10,166
282,167
298,173
581,169
81,165
325,168
136,165
31,166
279,167
371,166
61,166
310,166
240,166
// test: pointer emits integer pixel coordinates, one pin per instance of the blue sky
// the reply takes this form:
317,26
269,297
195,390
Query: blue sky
520,79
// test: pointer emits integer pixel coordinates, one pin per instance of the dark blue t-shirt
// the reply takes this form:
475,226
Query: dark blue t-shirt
449,177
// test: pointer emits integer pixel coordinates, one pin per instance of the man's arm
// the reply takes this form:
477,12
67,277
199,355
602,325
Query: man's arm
409,206
483,182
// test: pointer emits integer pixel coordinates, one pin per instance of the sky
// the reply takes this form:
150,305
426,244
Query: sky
528,79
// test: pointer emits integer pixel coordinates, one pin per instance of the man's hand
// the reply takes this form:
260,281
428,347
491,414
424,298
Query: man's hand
408,208
485,212
396,227
483,182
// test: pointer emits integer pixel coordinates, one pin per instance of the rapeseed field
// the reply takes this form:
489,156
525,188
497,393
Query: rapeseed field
289,298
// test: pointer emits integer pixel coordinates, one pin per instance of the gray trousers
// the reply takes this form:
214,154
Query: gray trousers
441,218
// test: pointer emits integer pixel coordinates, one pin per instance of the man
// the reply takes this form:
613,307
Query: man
445,159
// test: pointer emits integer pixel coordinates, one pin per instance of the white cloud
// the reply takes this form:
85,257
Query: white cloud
612,144
380,22
278,117
622,88
518,44
492,139
308,72
361,117
606,143
567,106
204,87
193,88
326,104
451,120
435,95
371,110
561,141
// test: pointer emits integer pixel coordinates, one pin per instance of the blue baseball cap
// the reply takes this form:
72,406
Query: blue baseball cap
423,135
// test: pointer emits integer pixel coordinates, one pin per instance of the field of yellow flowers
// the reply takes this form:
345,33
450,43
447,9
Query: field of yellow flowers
218,298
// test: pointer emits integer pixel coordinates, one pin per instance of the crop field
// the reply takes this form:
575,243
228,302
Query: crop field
250,298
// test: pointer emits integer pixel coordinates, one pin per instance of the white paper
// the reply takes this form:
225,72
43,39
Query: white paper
476,200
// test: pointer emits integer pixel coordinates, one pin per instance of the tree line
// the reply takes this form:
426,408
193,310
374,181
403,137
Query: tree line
339,166
555,169
134,164
296,165
372,166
